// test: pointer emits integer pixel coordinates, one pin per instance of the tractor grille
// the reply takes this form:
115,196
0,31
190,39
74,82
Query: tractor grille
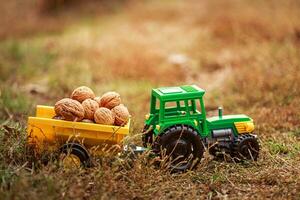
244,127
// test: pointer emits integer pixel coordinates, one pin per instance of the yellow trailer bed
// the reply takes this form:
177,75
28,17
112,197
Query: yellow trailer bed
44,130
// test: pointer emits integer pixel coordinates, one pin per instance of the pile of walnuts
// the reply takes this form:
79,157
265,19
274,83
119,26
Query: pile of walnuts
84,106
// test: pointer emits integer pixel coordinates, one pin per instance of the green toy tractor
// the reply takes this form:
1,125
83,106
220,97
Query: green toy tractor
177,128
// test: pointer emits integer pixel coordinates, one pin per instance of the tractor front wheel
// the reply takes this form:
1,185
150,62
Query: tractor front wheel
246,147
181,147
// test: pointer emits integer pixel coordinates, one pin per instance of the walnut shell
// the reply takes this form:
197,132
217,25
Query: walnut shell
98,99
121,115
110,100
69,109
82,93
104,116
90,106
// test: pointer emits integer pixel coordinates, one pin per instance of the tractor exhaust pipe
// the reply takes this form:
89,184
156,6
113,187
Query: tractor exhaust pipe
220,111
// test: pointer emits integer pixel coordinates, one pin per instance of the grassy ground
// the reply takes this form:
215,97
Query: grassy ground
244,53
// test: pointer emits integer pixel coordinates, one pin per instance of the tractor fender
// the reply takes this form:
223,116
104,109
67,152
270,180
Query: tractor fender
184,125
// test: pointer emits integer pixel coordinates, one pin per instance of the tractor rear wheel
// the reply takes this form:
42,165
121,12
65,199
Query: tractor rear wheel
181,146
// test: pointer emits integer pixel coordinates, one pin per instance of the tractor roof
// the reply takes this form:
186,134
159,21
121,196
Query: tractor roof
178,93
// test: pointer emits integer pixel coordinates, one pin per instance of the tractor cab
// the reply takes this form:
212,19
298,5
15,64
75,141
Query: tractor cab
177,105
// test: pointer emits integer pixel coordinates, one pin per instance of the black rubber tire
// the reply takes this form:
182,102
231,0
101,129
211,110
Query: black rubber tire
77,150
182,145
246,147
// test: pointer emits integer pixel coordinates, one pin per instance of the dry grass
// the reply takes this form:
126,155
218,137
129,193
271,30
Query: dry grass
245,53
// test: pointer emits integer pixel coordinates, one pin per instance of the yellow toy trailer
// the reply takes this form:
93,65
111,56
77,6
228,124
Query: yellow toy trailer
46,132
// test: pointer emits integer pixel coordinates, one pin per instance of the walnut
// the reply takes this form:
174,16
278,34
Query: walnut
110,100
90,106
104,116
69,109
98,99
82,93
121,115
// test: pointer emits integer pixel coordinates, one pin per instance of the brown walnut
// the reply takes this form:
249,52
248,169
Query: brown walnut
121,115
110,100
90,106
69,109
104,116
82,93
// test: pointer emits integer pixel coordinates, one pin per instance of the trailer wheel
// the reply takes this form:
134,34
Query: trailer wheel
74,155
181,146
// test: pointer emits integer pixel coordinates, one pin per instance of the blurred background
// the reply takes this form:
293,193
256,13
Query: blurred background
245,53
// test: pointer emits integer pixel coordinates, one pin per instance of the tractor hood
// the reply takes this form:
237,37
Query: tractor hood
227,119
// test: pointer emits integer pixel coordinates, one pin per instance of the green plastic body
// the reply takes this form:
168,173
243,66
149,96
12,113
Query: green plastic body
184,105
